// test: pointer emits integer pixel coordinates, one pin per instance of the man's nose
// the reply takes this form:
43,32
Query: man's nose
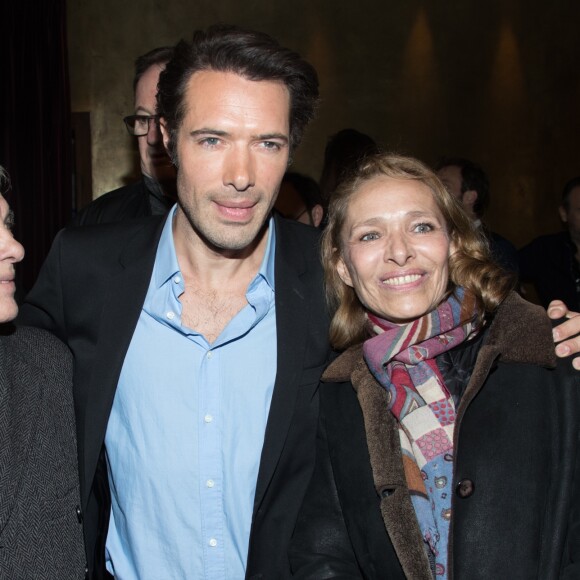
10,248
239,170
154,136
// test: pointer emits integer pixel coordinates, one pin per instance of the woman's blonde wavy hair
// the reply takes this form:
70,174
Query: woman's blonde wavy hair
470,265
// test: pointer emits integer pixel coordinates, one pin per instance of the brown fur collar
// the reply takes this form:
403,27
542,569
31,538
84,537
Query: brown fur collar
520,332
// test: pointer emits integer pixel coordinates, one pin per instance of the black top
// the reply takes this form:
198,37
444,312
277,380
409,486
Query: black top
129,202
549,263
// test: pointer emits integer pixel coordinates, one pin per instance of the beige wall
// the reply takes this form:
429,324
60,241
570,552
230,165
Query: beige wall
498,82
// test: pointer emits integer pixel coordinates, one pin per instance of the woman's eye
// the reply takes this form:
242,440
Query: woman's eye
369,237
423,228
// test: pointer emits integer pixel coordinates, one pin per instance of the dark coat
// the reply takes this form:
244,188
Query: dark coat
126,203
549,263
516,502
40,533
90,293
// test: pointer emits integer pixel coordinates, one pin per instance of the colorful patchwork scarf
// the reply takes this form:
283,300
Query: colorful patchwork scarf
402,359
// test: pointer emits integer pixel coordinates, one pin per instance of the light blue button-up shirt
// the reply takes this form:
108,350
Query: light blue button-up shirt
186,431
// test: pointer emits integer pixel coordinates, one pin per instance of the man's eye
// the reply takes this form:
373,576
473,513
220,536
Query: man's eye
141,122
271,145
9,221
210,141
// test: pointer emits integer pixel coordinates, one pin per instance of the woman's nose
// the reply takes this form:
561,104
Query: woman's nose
398,250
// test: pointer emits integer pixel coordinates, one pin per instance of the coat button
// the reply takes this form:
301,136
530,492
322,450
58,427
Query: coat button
86,573
465,488
79,515
386,492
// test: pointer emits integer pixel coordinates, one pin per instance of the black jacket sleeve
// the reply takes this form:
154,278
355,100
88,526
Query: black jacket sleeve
44,305
321,548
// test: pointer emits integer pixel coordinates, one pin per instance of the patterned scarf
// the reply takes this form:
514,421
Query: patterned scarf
402,359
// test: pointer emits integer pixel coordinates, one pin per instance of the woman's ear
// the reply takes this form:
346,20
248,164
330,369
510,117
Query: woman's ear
343,272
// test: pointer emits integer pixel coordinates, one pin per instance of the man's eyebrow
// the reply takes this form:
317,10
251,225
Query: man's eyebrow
208,131
270,136
143,112
220,133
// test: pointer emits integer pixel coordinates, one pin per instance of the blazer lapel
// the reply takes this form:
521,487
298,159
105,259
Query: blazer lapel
292,317
126,291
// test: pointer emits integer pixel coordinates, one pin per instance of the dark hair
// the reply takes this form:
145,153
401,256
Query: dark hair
252,55
4,181
470,263
572,184
343,153
159,56
473,178
306,188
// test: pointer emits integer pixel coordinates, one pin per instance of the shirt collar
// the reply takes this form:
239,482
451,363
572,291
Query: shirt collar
167,266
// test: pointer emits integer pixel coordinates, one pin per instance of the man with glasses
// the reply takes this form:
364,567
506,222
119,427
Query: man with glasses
154,194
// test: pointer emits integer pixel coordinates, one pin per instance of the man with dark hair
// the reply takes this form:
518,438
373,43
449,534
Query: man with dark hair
199,339
469,184
343,152
551,262
154,194
299,199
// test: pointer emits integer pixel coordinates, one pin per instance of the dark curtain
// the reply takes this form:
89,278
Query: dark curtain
35,126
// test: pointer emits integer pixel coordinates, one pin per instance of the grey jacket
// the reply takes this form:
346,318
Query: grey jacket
40,533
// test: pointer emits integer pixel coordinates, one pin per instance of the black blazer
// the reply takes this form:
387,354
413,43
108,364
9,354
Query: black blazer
40,532
90,293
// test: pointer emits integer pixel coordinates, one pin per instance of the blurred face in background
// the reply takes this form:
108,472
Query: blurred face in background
154,159
571,215
451,177
11,252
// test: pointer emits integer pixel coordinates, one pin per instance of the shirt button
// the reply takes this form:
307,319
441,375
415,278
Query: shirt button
209,354
177,279
210,483
213,542
208,418
170,315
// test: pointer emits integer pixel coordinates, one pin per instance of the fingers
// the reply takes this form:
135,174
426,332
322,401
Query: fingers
557,309
567,332
567,329
570,347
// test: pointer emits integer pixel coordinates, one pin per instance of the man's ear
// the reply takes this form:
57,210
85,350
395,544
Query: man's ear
343,272
317,213
563,213
469,198
164,132
169,146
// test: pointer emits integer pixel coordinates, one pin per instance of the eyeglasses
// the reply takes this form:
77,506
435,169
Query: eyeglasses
138,125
